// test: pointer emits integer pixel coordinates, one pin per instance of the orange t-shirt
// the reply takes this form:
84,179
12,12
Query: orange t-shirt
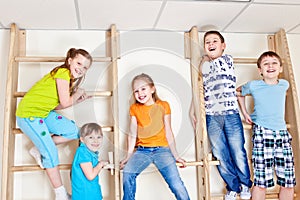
150,122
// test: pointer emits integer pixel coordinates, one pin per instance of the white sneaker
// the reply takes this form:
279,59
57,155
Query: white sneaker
61,196
245,192
61,193
230,195
34,152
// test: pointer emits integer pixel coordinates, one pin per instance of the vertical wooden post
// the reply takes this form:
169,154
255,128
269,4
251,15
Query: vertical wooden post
292,112
17,48
112,39
192,52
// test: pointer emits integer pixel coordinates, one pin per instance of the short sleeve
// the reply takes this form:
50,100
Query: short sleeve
132,110
62,74
285,83
246,89
83,156
166,107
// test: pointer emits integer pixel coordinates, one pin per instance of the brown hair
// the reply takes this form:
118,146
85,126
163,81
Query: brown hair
268,54
89,128
148,80
74,82
215,33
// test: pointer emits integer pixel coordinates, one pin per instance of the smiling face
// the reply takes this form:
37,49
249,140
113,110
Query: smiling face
79,65
93,141
270,68
213,46
143,92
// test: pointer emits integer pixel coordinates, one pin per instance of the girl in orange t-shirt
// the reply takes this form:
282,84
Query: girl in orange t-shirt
152,135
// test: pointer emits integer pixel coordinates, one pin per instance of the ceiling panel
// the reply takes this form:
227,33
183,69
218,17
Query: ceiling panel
33,14
260,18
126,14
257,16
183,15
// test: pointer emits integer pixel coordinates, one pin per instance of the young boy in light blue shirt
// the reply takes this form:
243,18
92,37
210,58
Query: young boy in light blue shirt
85,166
272,147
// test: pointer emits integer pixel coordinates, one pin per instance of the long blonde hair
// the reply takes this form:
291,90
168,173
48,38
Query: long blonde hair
74,82
148,80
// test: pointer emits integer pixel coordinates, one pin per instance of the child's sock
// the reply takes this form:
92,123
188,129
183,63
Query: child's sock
61,193
34,152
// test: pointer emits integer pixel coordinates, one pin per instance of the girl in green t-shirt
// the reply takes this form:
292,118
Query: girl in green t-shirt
37,118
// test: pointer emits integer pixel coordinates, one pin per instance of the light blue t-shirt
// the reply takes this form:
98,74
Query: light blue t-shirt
219,83
82,188
269,103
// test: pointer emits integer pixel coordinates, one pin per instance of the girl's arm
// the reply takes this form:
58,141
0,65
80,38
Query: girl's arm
131,140
171,139
65,100
91,172
241,100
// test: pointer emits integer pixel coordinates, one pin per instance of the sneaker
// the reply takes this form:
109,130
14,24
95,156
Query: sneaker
230,195
61,196
34,152
245,192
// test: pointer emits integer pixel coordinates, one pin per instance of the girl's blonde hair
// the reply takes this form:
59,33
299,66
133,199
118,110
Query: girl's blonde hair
148,80
89,128
74,82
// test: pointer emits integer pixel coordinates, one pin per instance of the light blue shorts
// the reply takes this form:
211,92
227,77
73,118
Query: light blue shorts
39,130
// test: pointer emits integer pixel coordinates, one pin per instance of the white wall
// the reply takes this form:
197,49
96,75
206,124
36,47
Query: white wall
159,54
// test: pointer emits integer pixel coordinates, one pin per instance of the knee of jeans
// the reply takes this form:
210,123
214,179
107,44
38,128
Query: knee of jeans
128,176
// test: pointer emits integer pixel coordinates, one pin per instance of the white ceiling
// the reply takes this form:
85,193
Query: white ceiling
254,16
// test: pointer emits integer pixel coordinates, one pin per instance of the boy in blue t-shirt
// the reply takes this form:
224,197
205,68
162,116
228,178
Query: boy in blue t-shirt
85,166
271,141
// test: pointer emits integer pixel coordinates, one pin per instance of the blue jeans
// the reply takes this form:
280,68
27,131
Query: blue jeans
226,135
163,159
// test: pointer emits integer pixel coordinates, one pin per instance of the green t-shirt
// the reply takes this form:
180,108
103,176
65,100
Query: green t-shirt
42,97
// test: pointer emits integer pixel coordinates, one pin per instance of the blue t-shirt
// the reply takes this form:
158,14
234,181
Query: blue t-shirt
82,188
219,83
269,103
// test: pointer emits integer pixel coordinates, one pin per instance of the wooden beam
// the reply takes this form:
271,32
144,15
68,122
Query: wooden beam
104,129
90,93
16,48
112,50
54,59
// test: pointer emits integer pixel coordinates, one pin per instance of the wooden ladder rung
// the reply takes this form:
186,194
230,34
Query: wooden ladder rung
198,163
269,196
37,168
54,59
104,129
250,61
91,93
245,60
